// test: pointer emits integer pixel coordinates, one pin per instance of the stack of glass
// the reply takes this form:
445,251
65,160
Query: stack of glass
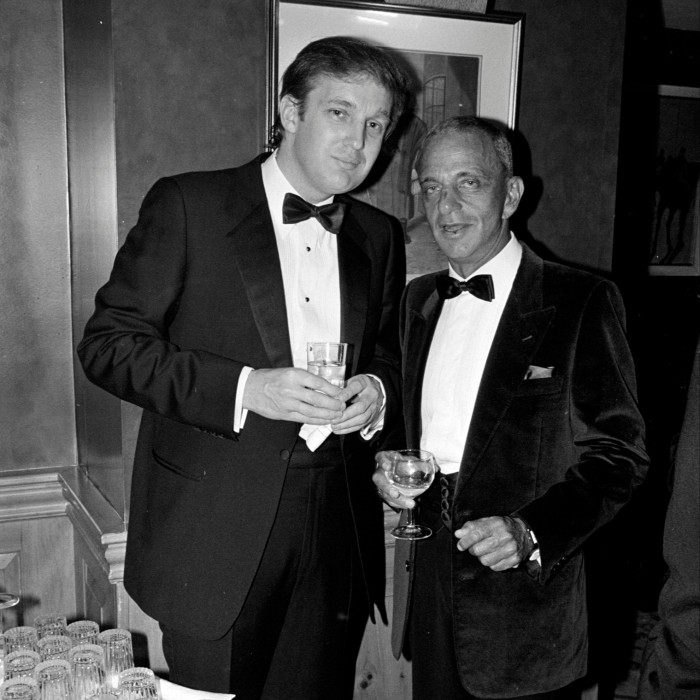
54,660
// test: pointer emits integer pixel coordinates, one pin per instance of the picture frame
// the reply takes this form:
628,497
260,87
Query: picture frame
674,229
461,63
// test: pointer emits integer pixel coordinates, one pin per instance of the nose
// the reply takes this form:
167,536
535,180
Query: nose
356,136
448,201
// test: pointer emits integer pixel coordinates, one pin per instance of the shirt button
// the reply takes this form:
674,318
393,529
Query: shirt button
308,250
306,298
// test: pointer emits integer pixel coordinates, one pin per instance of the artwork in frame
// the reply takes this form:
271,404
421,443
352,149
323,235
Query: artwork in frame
459,63
674,231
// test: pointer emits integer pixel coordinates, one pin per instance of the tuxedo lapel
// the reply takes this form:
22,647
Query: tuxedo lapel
354,270
421,322
257,259
520,331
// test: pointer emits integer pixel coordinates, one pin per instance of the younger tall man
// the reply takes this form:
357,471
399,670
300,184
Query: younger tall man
255,551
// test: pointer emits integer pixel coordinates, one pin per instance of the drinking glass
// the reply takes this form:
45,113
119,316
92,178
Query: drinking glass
87,666
50,623
21,663
22,688
139,684
411,473
327,360
54,646
105,694
83,632
18,638
55,680
7,600
119,654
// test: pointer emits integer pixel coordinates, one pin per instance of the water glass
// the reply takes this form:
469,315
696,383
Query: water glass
87,665
50,623
22,688
55,680
119,654
21,663
54,646
18,638
139,684
327,360
83,632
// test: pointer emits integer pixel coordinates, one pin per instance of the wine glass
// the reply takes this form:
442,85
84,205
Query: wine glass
411,473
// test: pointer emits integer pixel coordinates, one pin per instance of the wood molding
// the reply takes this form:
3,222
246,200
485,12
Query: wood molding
30,495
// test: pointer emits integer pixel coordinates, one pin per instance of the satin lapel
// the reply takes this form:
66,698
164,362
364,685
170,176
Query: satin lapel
420,328
258,263
354,267
523,325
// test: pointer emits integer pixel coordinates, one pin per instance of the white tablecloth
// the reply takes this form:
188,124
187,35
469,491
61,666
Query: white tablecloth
172,691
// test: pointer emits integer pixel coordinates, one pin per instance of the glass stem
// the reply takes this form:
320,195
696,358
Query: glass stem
410,522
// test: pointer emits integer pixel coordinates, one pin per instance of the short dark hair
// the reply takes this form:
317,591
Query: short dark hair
341,57
462,125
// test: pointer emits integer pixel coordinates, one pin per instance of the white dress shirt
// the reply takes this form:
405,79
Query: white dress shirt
310,274
457,357
309,261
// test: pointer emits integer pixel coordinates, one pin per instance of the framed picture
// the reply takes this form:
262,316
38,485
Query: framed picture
459,63
674,235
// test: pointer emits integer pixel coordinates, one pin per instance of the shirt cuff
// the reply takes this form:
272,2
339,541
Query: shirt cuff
240,413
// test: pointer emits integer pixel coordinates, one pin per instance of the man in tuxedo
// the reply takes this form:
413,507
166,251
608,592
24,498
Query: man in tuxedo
254,535
517,376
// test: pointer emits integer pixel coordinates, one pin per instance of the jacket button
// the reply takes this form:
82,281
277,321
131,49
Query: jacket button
284,455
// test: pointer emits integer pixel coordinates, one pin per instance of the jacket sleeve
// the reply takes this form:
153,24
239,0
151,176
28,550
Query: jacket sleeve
126,348
607,431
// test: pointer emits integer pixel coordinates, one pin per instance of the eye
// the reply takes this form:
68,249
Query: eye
469,183
337,113
429,189
375,127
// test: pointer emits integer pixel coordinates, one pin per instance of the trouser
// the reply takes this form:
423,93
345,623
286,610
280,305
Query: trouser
299,630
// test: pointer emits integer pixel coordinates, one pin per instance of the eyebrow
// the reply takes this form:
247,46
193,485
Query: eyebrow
343,102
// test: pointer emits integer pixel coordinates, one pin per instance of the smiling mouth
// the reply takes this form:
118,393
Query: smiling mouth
451,229
348,164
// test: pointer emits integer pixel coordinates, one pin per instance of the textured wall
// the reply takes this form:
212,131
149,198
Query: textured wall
569,116
190,85
37,413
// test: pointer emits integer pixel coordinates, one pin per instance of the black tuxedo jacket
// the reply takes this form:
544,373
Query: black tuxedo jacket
564,452
195,295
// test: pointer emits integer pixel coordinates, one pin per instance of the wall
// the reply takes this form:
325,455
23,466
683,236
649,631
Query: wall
569,117
37,414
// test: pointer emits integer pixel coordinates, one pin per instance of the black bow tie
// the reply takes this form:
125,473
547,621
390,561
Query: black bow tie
480,286
296,209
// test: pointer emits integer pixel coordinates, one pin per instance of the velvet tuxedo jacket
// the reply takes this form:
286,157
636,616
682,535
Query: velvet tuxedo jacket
195,295
565,452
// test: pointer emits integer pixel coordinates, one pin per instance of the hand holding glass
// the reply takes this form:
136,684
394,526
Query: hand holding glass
411,472
327,360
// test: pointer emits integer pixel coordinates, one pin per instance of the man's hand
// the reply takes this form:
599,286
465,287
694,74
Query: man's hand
385,489
292,394
363,397
499,543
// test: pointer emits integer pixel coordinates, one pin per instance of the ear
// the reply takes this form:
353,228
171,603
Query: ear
415,183
514,192
289,114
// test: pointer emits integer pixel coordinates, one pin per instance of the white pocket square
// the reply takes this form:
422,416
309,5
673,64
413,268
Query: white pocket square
534,372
